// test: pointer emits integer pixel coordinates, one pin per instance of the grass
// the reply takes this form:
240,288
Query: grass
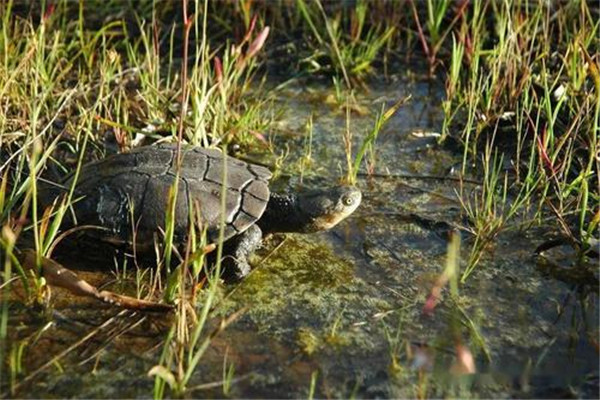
187,342
432,42
57,71
367,146
313,384
351,55
517,107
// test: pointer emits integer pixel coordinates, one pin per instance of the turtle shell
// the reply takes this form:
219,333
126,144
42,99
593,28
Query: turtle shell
131,192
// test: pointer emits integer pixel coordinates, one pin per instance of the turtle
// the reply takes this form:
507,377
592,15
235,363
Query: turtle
129,196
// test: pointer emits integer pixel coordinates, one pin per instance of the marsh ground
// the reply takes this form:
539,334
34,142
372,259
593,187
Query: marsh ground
337,314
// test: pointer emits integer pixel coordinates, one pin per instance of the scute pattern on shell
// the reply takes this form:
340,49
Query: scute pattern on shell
133,189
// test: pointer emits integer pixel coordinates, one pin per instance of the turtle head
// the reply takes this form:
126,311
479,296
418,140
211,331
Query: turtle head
322,209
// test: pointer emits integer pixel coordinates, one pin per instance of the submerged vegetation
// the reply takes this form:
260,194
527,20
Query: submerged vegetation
81,80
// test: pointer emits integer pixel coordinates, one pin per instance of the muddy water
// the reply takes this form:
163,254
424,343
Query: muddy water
344,308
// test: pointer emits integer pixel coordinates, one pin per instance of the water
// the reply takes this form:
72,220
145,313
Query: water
345,307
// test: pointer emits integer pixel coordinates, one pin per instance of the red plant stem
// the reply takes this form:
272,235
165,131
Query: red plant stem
540,139
421,34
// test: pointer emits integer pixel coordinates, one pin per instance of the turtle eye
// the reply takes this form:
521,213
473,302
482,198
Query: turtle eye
348,200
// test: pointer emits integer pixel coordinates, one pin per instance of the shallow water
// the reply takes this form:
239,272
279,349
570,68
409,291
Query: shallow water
345,306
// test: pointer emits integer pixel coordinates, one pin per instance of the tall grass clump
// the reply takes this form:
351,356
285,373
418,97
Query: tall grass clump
75,86
367,146
190,335
188,338
438,26
522,90
344,43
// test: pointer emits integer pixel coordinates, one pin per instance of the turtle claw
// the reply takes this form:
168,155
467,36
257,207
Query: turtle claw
235,269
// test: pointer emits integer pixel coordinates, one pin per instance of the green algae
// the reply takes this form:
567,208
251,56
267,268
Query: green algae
318,286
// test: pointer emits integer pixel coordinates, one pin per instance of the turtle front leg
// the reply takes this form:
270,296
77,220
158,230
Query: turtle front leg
237,250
